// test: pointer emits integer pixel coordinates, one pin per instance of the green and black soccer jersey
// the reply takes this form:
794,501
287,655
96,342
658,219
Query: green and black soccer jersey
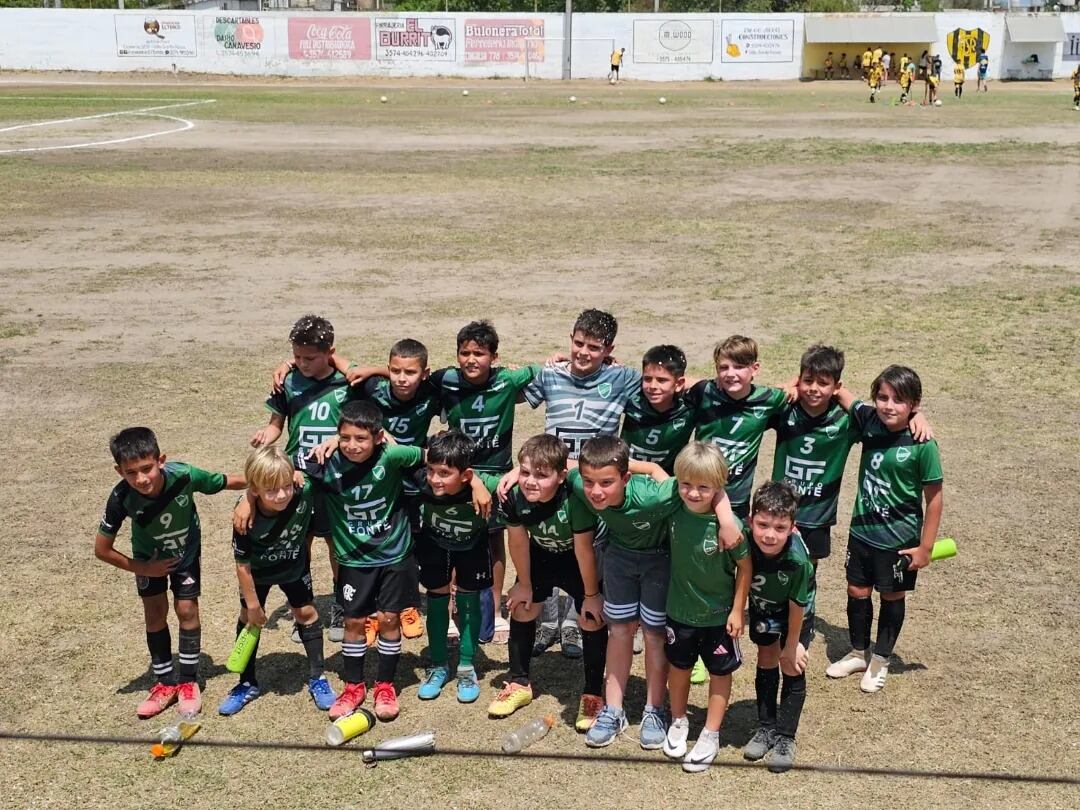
702,588
787,577
484,413
655,436
311,407
368,527
551,525
449,521
408,421
893,470
736,427
167,525
811,452
275,547
641,523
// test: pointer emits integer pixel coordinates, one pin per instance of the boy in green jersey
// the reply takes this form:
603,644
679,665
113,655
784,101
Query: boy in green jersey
273,551
551,535
781,621
734,414
452,545
706,599
658,419
890,539
166,543
307,396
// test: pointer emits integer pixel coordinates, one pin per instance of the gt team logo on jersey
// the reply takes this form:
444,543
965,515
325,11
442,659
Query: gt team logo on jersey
172,541
967,45
451,528
733,450
363,514
874,489
647,454
574,438
480,428
311,436
803,470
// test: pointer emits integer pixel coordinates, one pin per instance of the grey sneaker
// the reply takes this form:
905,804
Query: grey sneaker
783,755
570,641
760,744
653,728
337,624
545,637
703,753
610,723
639,642
296,632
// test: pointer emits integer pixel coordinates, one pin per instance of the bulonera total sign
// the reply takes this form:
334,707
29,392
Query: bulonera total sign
504,40
330,38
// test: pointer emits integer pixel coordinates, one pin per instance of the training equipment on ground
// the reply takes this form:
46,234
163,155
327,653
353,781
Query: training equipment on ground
352,725
529,733
415,745
663,100
242,649
383,99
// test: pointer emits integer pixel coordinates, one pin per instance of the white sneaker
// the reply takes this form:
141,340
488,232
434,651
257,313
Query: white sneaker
854,661
639,642
873,680
675,742
703,753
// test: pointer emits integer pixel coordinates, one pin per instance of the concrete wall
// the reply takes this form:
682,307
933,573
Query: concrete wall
658,47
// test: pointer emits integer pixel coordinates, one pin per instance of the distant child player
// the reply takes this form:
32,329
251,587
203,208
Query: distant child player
273,551
309,402
829,69
659,421
905,83
874,80
452,546
983,73
781,622
166,544
1076,88
843,65
705,601
958,79
551,544
616,63
890,539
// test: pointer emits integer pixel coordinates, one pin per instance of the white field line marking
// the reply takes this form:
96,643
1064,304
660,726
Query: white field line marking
4,97
59,121
184,126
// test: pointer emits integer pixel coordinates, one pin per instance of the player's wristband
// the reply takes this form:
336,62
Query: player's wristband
591,595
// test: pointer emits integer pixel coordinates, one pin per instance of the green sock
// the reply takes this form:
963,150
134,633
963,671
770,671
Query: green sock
468,603
438,622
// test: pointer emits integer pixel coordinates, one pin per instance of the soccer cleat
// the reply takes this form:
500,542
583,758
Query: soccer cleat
386,705
873,680
588,708
639,642
783,755
348,701
411,625
296,633
321,692
336,633
854,661
371,631
675,742
189,703
699,674
653,730
570,641
435,679
610,723
161,697
468,688
703,753
545,638
239,696
513,696
760,744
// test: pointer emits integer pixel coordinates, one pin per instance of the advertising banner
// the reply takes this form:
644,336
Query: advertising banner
165,35
660,42
419,39
502,40
762,40
346,38
1070,52
239,35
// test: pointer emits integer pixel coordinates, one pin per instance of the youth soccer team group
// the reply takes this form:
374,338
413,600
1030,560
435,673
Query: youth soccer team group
653,526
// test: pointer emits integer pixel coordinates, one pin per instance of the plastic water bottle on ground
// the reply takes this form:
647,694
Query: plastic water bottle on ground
529,733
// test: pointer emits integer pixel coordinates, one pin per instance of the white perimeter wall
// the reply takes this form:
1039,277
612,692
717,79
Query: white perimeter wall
658,47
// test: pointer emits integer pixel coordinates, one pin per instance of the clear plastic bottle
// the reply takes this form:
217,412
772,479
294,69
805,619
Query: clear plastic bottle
529,733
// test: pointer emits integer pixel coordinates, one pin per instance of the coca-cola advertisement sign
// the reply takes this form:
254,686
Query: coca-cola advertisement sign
330,38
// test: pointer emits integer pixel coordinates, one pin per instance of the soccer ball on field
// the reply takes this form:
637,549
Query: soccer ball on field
611,81
663,100
383,99
573,99
937,102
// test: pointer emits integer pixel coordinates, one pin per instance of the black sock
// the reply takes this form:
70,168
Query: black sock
594,657
160,644
190,644
792,697
767,684
311,636
860,615
890,620
352,654
248,675
389,653
519,650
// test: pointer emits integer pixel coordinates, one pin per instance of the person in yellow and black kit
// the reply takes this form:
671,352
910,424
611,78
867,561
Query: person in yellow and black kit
905,84
874,80
958,79
616,63
1076,88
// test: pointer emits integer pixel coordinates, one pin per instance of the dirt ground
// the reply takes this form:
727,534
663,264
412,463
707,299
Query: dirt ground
154,282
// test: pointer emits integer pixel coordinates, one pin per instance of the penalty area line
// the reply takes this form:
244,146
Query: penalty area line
185,125
139,111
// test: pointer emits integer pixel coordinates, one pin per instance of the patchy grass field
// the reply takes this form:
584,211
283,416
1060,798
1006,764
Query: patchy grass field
154,282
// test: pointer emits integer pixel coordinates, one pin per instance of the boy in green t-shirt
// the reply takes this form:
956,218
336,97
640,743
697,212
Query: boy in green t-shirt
452,545
781,621
658,419
166,543
890,540
273,551
706,599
